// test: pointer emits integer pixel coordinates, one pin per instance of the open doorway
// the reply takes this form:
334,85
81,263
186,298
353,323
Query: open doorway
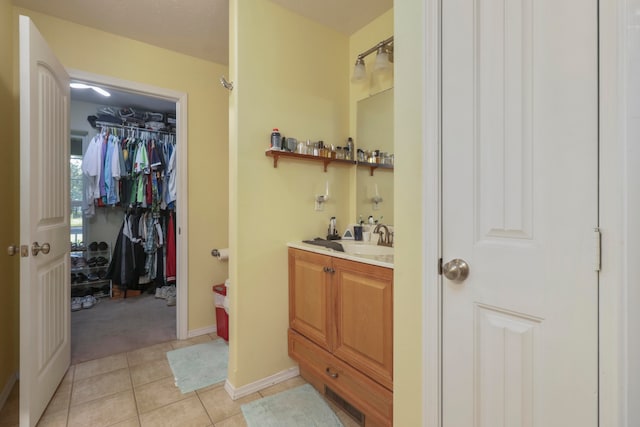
130,313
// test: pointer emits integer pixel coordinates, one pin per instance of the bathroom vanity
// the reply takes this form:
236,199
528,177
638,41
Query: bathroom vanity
341,328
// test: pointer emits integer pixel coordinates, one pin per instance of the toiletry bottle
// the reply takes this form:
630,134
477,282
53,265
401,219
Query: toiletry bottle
349,153
332,232
275,139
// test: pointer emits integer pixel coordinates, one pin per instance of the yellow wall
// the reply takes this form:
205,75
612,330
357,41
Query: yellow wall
289,73
83,48
408,173
9,194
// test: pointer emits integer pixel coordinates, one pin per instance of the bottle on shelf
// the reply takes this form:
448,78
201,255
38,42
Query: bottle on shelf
276,141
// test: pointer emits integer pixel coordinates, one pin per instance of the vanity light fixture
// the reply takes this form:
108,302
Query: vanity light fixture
384,59
76,85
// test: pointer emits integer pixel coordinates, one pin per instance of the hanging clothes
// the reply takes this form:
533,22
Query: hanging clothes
171,250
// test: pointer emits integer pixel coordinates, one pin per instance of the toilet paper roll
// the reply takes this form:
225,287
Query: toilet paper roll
223,254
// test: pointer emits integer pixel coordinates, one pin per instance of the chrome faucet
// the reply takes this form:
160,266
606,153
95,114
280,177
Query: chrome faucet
385,237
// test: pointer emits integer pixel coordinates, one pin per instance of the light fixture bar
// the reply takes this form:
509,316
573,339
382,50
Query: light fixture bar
376,47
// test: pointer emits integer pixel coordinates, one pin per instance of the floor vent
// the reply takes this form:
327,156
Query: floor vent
346,406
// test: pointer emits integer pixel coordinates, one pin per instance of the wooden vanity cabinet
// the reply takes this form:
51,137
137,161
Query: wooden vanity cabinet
341,330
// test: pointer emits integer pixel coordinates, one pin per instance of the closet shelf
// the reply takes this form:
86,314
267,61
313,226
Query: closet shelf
90,282
287,154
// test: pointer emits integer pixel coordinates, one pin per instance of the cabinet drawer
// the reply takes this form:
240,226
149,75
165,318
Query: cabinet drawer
375,401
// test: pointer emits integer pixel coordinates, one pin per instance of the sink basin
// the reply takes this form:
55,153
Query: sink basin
366,250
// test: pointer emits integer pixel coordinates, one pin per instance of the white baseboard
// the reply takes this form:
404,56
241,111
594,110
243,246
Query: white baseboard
6,390
202,331
245,390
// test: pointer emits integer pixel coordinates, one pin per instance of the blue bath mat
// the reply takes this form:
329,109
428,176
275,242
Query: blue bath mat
199,365
298,407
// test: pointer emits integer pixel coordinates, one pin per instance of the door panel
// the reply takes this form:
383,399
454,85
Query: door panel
310,311
364,318
44,211
519,110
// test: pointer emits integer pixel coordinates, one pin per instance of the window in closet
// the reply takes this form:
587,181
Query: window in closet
77,191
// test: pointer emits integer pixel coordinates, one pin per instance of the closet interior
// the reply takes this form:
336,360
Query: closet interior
123,216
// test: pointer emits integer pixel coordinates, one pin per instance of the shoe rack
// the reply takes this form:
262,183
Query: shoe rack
89,265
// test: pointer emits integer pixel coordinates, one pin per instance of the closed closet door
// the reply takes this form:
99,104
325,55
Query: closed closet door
520,147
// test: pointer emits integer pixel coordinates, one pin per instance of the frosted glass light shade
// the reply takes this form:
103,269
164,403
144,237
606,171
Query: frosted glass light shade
359,71
382,61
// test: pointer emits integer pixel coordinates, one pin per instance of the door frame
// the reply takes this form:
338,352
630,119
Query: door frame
619,169
182,205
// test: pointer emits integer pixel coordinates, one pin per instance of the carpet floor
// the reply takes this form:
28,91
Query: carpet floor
118,325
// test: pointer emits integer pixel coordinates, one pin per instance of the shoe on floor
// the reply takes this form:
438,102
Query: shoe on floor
76,304
89,301
171,300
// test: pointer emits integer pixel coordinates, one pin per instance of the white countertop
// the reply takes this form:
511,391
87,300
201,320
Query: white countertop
379,260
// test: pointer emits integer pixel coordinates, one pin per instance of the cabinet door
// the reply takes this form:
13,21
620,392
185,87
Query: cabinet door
364,318
310,311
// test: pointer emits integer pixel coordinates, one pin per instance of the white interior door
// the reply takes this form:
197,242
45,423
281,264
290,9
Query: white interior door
519,197
45,349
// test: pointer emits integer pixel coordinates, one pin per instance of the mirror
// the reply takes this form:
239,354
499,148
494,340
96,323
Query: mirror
374,127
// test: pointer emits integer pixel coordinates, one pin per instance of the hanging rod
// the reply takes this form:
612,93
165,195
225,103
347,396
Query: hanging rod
115,125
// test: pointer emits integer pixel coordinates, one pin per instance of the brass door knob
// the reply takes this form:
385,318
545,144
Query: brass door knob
13,250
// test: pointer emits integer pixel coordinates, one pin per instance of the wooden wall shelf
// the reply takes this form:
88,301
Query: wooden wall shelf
374,166
287,154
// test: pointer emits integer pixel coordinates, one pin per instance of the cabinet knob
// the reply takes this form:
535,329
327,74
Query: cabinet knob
328,270
331,374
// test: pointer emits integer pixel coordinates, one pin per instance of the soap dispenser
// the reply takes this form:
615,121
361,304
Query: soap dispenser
332,232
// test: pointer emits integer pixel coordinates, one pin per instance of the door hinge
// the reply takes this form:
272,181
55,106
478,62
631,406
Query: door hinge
440,266
597,260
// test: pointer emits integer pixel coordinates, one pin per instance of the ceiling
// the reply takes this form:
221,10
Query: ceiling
121,98
200,29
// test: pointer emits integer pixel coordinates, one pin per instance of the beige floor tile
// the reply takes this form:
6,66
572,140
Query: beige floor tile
185,413
100,386
210,387
283,386
219,405
149,354
158,393
60,400
69,376
100,366
104,412
54,419
234,421
149,372
191,341
133,422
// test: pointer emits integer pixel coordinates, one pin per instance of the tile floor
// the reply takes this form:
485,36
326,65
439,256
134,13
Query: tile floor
137,389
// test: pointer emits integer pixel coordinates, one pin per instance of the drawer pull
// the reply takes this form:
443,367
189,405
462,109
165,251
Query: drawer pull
331,374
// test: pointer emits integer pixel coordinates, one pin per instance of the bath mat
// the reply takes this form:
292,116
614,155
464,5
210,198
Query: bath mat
199,365
298,407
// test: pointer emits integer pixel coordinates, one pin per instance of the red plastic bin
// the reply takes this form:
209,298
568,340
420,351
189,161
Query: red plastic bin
222,318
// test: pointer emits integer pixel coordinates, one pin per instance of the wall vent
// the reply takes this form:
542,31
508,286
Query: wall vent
346,406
